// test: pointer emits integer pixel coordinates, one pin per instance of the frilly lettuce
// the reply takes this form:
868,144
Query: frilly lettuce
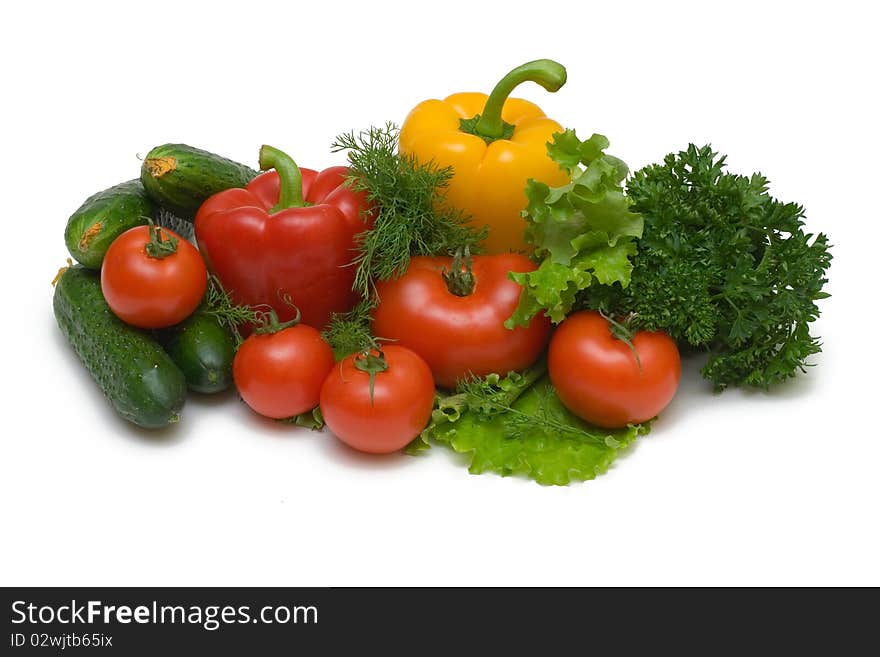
583,232
517,425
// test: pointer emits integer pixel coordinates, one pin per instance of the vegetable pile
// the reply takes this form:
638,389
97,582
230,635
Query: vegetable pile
481,278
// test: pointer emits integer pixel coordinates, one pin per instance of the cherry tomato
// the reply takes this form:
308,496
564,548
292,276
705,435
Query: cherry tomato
279,374
149,280
386,418
598,377
456,334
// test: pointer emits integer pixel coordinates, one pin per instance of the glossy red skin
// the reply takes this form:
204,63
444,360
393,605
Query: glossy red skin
403,398
598,379
279,375
152,292
459,336
303,252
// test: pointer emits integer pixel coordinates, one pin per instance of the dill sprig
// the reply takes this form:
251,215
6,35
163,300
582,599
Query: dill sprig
349,333
219,303
407,198
492,395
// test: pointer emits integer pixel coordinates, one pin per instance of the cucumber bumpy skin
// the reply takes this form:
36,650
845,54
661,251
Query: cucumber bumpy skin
180,178
142,383
102,218
203,349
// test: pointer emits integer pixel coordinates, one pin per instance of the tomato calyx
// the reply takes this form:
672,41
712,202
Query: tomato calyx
372,361
460,280
622,331
160,247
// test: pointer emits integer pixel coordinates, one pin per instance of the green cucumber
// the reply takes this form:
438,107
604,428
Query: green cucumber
179,177
102,218
203,349
136,375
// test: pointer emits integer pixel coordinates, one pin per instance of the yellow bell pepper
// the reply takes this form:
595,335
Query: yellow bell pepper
494,144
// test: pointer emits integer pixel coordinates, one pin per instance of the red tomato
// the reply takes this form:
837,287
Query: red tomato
598,378
148,291
279,375
388,419
460,335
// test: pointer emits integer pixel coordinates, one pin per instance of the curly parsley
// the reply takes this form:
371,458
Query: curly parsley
724,266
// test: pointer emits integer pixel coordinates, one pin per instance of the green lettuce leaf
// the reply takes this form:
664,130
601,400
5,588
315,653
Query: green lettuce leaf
312,419
538,437
583,232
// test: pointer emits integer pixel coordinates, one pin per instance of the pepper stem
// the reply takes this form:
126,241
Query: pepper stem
461,281
158,247
489,125
291,195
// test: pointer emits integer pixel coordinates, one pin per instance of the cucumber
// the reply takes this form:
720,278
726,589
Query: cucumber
203,350
179,177
141,381
102,218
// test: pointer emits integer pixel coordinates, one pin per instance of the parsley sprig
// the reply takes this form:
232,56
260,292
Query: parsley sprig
724,266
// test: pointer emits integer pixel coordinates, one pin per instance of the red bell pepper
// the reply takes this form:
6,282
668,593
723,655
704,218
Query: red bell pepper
289,234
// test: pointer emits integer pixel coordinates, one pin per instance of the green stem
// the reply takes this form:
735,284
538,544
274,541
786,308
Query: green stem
290,176
371,363
549,74
625,334
271,324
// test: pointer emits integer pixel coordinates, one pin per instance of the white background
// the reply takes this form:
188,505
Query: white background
742,488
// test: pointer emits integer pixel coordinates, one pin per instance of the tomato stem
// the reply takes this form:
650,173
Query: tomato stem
372,364
461,281
269,319
158,247
623,332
